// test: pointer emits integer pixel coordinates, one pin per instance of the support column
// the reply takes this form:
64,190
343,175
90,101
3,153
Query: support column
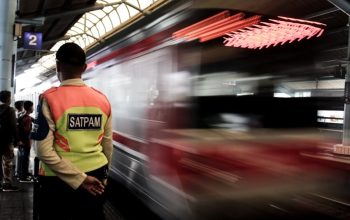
7,20
13,65
344,148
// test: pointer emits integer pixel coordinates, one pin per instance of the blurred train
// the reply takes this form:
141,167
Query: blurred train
198,136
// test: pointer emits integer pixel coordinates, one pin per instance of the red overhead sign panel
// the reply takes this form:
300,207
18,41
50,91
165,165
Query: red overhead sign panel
252,32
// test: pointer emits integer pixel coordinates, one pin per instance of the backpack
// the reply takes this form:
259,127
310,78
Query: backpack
3,129
3,120
22,134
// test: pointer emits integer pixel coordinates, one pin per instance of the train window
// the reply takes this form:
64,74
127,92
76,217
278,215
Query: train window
302,94
255,111
330,117
281,95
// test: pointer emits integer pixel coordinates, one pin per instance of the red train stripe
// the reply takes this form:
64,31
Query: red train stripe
132,49
129,142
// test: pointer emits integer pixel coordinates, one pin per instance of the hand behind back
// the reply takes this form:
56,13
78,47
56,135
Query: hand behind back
93,185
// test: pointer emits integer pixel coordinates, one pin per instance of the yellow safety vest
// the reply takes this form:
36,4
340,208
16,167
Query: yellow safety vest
80,114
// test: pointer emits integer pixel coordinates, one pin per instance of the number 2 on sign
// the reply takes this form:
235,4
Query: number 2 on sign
32,40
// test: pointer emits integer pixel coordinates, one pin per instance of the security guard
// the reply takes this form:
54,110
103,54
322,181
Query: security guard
73,129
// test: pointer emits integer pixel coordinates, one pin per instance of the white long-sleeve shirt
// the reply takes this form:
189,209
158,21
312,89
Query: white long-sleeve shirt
63,168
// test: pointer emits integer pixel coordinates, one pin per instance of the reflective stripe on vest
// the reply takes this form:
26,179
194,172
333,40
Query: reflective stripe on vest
80,114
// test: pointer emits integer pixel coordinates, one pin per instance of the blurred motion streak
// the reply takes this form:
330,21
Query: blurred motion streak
201,131
215,26
202,24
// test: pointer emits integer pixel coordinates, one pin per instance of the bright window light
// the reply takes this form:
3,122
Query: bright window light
281,95
330,116
80,26
76,29
134,3
93,18
88,23
26,80
81,42
108,9
145,3
132,11
35,65
123,13
115,18
70,33
101,28
89,37
302,94
107,23
100,13
95,32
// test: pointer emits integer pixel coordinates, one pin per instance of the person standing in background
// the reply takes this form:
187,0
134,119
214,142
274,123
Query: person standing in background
25,143
73,129
7,140
19,109
19,112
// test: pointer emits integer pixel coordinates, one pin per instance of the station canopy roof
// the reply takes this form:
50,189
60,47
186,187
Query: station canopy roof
85,22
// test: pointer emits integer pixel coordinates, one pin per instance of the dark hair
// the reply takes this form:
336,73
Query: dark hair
5,96
27,105
71,54
19,105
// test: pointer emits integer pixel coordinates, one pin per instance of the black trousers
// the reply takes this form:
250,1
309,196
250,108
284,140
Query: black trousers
24,153
57,200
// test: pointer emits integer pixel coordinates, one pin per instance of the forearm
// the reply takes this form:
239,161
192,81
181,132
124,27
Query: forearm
107,141
63,168
13,126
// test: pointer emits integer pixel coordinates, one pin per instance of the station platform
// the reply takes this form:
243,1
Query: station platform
19,205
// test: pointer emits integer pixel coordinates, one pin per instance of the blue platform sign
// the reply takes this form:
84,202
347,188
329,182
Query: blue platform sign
32,41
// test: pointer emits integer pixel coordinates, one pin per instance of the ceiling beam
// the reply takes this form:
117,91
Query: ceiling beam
43,4
321,13
36,21
343,5
66,13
